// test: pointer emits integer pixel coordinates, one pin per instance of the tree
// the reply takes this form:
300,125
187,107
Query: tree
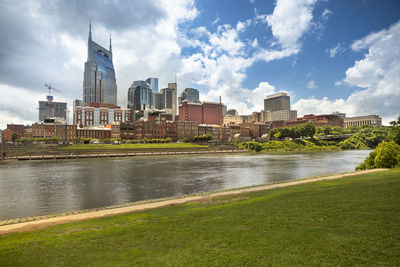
387,154
307,129
326,130
14,136
395,131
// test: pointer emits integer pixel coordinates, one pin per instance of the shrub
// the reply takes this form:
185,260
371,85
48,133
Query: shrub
204,137
386,155
255,146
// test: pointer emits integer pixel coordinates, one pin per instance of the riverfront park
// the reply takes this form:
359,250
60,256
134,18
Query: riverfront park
353,220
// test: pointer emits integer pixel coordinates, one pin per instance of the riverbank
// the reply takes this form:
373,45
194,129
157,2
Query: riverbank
40,222
351,221
300,145
94,155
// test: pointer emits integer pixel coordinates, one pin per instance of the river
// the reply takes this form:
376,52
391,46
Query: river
33,188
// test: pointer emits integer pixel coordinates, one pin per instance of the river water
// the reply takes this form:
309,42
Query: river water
32,188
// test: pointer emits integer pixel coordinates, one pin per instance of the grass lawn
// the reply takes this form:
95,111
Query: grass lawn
131,146
349,221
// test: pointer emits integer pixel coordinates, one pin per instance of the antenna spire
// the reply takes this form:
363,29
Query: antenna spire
90,28
110,43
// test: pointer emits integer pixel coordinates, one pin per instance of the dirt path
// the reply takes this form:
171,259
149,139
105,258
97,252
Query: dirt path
40,224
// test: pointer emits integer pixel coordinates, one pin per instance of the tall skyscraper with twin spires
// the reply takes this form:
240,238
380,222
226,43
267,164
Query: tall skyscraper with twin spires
99,83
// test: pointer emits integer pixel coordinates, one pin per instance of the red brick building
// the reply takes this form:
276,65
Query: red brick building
94,116
16,128
191,112
323,120
65,132
202,113
98,133
7,135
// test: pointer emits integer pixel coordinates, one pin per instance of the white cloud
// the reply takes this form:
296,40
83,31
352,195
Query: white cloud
217,19
224,58
254,43
321,106
20,107
377,75
337,50
311,84
290,20
326,13
226,39
147,48
54,49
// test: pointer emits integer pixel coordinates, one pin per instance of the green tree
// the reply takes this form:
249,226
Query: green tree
307,129
14,136
387,154
395,131
326,130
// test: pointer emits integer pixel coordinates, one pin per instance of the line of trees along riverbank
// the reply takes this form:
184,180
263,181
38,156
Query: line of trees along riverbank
306,138
387,153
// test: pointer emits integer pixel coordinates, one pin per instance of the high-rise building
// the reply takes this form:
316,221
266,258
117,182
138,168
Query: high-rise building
277,107
158,100
99,84
280,101
174,99
50,109
189,94
281,115
153,83
139,98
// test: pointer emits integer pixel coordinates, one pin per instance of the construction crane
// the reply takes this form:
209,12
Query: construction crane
50,98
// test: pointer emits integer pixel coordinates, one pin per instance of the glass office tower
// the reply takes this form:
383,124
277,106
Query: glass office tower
99,84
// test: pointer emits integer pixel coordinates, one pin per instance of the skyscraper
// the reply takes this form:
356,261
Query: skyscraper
99,84
139,98
153,82
277,107
189,94
174,107
275,102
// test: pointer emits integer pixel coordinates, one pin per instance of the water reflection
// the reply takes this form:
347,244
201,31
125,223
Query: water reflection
37,188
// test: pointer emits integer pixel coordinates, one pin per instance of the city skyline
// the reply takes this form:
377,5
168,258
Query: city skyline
322,53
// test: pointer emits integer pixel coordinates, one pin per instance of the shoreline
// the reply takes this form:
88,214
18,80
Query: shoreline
152,204
155,153
116,155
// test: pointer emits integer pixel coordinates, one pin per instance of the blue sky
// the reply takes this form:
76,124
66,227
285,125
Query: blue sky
328,55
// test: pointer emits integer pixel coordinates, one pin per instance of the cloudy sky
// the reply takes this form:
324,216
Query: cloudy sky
329,55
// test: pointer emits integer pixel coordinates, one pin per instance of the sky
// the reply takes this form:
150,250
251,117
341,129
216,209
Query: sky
328,55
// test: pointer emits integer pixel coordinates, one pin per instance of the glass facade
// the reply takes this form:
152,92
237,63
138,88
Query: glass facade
190,94
153,83
99,83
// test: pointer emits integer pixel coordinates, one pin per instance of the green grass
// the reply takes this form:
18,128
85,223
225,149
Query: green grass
349,221
131,146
